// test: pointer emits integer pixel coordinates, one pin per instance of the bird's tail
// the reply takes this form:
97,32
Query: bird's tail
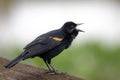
15,61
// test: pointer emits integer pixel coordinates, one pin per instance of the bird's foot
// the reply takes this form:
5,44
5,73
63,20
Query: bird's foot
55,72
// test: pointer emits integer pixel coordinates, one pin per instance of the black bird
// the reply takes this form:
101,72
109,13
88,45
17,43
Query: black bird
48,45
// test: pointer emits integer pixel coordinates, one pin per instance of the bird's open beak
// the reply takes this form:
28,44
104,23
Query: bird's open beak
79,29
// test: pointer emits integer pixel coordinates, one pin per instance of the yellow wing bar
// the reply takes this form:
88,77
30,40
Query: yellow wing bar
56,38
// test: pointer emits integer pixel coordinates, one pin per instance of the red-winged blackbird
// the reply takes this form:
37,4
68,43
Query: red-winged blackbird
49,45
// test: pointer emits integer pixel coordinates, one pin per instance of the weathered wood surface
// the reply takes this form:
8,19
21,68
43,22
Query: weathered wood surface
26,72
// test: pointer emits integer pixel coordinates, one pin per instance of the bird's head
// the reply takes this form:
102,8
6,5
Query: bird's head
69,27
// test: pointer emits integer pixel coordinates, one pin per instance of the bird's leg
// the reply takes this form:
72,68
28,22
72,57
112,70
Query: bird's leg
48,66
49,63
53,69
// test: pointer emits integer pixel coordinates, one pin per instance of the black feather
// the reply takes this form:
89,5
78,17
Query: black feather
15,61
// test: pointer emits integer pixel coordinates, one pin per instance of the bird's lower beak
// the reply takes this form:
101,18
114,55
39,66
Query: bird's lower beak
80,30
80,23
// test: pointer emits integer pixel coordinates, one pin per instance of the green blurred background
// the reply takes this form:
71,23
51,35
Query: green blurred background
94,55
90,60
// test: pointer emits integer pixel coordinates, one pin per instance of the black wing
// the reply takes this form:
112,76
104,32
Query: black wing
44,43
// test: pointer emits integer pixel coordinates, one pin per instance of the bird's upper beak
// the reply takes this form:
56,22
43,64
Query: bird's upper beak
79,29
